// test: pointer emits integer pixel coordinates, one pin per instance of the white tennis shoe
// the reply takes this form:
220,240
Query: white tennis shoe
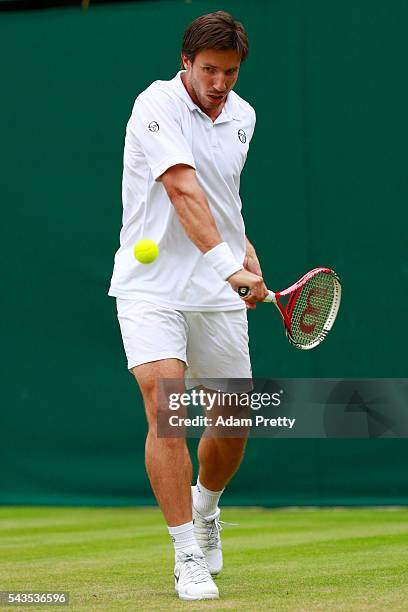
207,532
192,578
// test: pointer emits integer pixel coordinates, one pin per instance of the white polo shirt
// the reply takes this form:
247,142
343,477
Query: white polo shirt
167,128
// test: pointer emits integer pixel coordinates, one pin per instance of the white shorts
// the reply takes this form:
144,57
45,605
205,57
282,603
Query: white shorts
213,345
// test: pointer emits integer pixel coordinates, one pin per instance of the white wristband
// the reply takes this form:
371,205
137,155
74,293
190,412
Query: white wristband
222,260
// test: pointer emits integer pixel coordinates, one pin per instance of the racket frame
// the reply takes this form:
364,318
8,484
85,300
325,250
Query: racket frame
293,291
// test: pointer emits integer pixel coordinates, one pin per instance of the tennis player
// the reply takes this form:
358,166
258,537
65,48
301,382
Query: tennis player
181,316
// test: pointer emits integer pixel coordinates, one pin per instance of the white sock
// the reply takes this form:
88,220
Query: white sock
183,538
204,500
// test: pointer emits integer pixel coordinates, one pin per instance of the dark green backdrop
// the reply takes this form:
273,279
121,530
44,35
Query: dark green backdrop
325,183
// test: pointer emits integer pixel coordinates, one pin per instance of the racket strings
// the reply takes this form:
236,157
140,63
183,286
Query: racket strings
314,309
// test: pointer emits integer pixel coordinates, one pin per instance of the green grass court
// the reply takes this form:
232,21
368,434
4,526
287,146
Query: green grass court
289,559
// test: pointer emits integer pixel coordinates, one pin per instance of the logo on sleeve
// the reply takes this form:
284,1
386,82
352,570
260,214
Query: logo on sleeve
153,126
242,136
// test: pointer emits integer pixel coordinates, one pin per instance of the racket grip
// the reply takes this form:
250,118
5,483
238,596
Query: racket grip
243,292
270,297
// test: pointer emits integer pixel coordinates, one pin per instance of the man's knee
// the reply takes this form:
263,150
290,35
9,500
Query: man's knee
157,381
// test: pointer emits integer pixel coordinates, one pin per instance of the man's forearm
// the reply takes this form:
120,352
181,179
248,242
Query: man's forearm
249,248
194,214
196,218
251,261
190,203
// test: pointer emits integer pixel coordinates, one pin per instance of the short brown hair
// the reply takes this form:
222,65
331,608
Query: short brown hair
217,30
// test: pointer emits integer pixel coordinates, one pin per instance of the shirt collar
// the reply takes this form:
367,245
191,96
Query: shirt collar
230,110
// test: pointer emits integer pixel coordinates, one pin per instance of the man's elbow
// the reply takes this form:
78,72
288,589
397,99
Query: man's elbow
179,181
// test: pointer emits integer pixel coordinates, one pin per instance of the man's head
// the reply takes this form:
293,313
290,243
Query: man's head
213,48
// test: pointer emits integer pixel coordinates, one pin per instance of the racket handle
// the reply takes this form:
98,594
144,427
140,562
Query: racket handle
270,297
243,292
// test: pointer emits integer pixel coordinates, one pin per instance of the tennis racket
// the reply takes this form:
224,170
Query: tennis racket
311,309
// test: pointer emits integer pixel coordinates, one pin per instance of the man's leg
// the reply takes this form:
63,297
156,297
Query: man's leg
217,350
219,459
169,469
168,461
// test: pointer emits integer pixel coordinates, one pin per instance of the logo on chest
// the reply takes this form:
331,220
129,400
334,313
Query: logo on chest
242,136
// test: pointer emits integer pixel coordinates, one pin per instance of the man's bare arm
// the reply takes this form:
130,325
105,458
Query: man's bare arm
194,213
251,261
191,206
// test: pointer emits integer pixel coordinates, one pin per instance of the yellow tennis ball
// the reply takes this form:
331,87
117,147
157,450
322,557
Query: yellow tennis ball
146,251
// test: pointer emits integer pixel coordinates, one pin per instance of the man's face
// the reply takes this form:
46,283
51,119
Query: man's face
211,77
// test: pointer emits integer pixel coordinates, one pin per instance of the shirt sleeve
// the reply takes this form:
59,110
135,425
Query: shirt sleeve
156,126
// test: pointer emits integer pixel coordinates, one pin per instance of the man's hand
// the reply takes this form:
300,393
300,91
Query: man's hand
257,288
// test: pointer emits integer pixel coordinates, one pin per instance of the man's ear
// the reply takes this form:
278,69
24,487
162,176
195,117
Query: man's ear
184,60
